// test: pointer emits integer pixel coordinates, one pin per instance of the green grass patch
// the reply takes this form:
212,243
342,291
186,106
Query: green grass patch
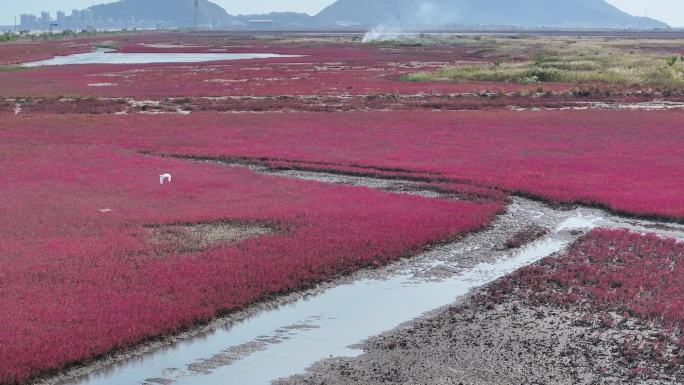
609,67
105,45
7,37
13,68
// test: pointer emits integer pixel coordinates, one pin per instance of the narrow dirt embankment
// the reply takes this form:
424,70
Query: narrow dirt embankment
251,338
347,103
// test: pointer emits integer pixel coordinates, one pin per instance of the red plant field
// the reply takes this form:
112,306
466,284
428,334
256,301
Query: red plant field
16,53
80,274
629,161
324,68
611,271
76,282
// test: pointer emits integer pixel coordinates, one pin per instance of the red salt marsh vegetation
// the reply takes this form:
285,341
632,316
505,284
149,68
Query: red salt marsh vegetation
22,52
628,161
93,252
327,66
79,277
263,77
324,68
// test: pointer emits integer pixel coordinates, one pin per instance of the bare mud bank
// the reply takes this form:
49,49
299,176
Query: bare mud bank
345,103
477,343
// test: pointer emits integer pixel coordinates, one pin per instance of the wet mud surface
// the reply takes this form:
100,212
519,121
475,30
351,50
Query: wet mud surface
346,103
478,343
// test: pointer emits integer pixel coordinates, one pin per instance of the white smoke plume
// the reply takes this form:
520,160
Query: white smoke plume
424,15
386,33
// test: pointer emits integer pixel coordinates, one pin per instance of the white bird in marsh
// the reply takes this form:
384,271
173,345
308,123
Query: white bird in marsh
164,177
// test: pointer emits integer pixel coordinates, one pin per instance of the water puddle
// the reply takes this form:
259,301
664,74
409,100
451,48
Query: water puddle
285,341
580,222
109,57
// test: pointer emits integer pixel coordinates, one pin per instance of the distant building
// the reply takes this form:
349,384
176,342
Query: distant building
95,18
74,20
88,17
28,21
61,18
45,19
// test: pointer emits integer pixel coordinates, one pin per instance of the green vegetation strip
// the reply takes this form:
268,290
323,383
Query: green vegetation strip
611,67
13,68
5,37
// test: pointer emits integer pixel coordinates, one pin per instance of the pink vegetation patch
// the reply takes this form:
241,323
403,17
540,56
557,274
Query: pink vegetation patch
78,276
16,53
323,69
628,161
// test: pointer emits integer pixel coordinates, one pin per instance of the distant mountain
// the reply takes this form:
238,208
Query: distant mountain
521,13
371,13
172,13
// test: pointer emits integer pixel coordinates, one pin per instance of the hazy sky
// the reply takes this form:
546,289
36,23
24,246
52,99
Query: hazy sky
669,11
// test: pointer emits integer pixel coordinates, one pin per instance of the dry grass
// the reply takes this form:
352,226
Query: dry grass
537,60
188,238
581,68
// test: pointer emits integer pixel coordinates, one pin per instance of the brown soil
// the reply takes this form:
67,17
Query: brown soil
479,343
188,238
526,236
